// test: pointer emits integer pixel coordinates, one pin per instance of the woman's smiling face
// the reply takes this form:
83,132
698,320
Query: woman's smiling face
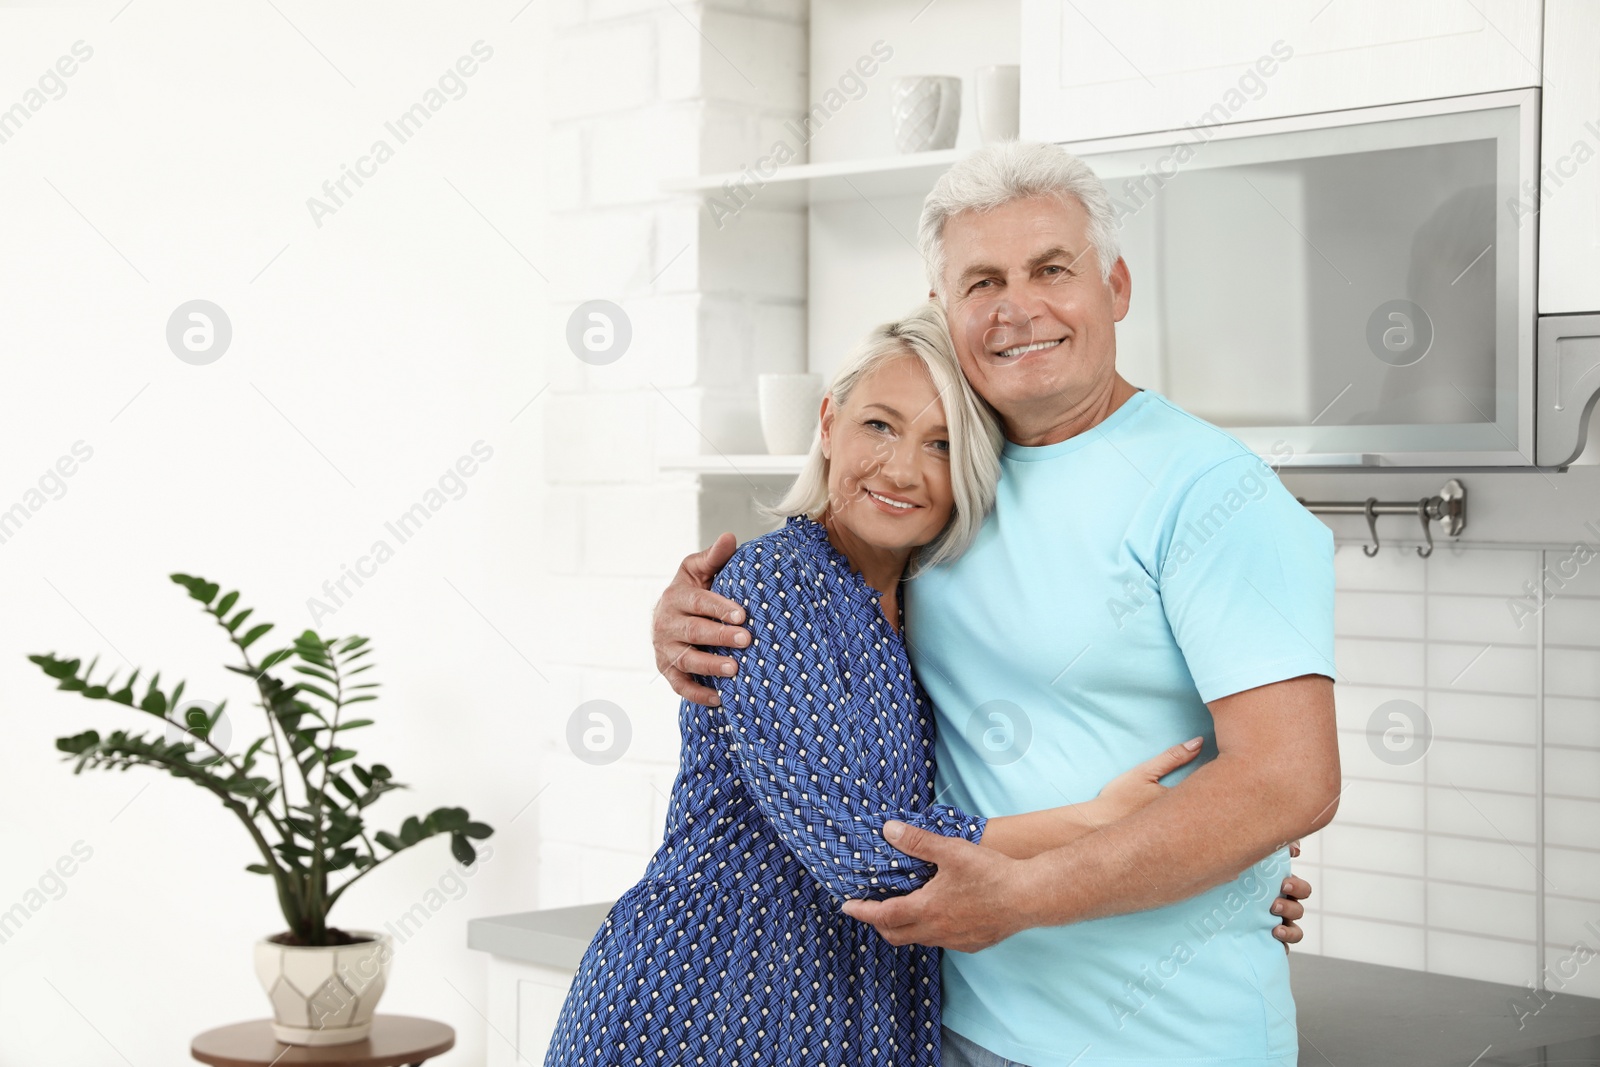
888,455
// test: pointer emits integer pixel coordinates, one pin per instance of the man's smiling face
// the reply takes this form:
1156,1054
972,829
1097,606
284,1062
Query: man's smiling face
1032,322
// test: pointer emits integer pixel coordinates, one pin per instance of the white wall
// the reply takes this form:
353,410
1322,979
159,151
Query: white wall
368,354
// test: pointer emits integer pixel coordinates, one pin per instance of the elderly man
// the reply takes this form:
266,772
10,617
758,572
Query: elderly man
1142,579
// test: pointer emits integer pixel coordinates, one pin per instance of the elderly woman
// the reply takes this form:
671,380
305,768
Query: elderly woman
731,948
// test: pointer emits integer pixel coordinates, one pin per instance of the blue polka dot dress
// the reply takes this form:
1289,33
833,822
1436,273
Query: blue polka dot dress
731,950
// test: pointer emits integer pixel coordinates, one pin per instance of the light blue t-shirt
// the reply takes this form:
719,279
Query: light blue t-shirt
1126,576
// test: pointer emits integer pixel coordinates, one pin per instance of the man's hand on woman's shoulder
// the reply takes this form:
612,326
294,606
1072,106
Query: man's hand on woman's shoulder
690,614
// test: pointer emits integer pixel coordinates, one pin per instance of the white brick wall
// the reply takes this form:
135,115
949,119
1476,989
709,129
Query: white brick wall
644,91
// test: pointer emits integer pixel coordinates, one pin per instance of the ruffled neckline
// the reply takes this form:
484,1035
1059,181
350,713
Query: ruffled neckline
855,582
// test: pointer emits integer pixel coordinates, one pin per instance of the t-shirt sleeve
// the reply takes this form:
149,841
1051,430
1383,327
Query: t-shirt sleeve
1246,581
798,742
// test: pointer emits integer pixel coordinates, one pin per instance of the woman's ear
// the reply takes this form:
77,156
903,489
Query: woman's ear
825,418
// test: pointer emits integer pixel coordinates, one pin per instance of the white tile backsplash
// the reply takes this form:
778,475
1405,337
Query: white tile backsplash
1362,661
1499,719
1474,620
1481,858
1483,958
1570,721
1496,863
1358,613
1499,912
1468,812
1573,772
1483,667
1396,898
1465,764
1571,822
1388,804
1573,672
1390,944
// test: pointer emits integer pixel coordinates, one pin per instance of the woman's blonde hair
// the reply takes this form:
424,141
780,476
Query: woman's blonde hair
974,431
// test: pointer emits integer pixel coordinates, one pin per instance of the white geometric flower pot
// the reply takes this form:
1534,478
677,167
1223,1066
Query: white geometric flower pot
324,995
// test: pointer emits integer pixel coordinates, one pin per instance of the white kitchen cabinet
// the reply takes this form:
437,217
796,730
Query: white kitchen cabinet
533,956
1569,199
1102,68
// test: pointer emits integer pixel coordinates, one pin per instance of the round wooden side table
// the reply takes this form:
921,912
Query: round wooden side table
395,1041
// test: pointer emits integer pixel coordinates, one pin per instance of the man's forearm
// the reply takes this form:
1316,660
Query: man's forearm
1224,817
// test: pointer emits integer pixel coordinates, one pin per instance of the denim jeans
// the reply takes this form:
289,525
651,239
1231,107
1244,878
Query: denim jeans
957,1051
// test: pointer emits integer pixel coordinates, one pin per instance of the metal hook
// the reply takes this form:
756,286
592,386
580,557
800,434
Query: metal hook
1372,526
1427,528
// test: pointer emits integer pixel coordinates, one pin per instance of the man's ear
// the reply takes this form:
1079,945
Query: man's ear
1121,282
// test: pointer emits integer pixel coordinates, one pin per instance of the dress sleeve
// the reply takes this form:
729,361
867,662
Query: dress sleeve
798,746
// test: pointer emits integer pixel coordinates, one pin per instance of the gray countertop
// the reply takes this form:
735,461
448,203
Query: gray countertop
1350,1014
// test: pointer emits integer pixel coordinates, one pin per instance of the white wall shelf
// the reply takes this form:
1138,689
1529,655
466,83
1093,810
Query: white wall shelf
736,466
818,183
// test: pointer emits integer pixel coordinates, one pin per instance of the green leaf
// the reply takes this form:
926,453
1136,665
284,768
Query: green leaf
354,724
274,658
380,771
227,602
78,743
388,841
462,849
359,699
478,830
307,687
353,643
255,631
250,753
451,819
411,831
316,672
258,868
361,775
340,754
232,624
346,790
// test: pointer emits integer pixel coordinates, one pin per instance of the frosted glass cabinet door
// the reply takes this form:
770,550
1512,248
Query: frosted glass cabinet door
1349,293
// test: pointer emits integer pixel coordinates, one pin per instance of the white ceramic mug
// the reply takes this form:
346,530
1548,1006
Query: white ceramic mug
790,406
999,102
925,111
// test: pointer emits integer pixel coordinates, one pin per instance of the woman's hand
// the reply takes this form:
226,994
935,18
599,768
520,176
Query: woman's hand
1135,789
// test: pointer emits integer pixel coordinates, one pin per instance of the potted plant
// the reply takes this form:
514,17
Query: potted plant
323,982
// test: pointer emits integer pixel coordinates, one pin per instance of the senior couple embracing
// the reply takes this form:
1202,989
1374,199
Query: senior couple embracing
995,751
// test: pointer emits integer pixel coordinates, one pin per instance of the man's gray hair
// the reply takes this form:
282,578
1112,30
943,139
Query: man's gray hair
997,174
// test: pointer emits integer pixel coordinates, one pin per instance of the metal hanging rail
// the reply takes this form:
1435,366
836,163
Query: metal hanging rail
1448,508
